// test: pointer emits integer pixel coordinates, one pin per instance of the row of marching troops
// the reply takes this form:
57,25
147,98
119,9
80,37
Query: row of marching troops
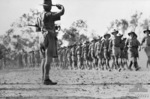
112,48
22,59
31,58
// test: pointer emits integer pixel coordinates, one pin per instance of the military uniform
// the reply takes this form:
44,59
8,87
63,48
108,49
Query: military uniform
114,45
92,53
124,53
146,45
73,56
133,45
48,45
59,57
69,61
79,55
105,48
99,53
85,51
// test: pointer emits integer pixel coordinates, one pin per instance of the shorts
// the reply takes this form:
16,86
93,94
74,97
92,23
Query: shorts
133,53
49,45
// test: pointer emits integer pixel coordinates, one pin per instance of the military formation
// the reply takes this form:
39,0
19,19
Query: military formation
110,52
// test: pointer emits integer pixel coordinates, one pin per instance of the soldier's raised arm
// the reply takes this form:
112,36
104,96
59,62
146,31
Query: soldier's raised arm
61,8
57,15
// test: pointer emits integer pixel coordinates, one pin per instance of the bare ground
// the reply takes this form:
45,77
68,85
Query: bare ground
73,84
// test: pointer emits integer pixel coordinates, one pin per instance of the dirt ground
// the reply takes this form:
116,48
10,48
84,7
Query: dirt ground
73,84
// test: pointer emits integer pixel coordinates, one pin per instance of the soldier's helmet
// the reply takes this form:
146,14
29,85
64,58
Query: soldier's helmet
94,39
146,31
135,35
115,31
47,3
131,33
106,35
87,42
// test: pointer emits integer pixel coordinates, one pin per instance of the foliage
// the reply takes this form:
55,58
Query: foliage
74,34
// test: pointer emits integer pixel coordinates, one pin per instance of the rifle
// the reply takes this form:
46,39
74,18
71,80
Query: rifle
38,29
35,25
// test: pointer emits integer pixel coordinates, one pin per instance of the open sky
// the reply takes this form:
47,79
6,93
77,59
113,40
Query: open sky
97,13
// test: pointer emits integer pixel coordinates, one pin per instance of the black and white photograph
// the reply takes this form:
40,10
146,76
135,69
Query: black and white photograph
75,49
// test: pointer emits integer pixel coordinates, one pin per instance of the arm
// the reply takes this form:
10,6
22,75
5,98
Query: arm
101,46
143,40
110,45
56,15
126,43
61,12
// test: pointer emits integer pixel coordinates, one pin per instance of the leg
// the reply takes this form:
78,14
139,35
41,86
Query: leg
148,61
47,68
42,66
130,65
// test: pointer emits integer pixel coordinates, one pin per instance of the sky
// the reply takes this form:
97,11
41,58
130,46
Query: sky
97,13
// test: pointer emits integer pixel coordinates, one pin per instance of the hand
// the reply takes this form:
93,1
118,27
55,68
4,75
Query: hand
58,6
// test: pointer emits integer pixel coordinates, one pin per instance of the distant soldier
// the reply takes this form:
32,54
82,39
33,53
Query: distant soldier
85,51
73,56
133,44
32,58
59,57
68,54
105,49
37,57
99,53
124,54
92,53
146,45
114,45
25,59
63,56
79,55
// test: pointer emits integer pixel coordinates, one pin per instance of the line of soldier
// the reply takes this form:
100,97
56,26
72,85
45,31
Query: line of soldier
31,59
123,53
22,59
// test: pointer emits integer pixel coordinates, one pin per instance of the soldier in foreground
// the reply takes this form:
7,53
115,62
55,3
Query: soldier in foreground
48,46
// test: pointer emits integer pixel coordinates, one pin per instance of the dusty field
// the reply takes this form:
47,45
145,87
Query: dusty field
86,84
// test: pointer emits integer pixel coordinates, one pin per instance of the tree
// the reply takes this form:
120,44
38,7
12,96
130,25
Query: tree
145,24
75,32
134,22
124,25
